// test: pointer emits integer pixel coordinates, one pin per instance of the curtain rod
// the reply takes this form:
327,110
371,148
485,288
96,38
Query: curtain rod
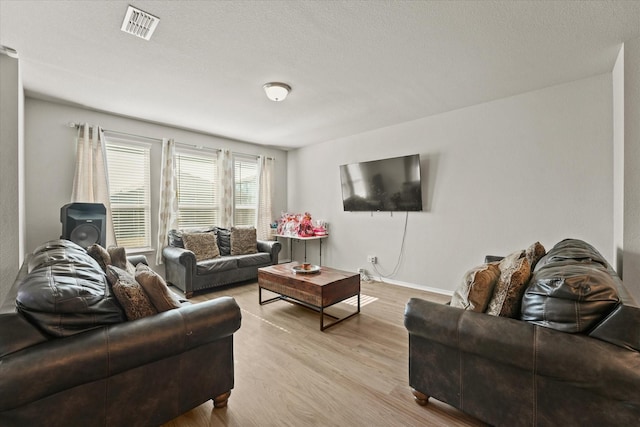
182,144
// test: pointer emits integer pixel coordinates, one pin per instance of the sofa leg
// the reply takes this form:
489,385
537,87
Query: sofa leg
221,401
188,295
421,398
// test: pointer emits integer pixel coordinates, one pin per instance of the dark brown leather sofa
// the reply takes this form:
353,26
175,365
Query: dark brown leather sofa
124,373
510,372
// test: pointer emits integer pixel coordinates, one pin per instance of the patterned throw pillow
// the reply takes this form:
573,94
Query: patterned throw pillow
130,294
476,288
156,289
515,272
203,245
534,253
243,240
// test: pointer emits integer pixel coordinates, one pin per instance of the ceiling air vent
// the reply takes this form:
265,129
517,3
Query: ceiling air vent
139,23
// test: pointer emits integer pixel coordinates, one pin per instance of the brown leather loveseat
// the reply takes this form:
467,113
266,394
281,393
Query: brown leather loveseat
515,372
79,362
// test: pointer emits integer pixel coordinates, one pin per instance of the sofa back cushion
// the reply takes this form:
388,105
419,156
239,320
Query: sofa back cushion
65,291
571,289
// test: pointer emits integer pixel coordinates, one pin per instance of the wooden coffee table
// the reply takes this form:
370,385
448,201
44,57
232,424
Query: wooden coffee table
315,290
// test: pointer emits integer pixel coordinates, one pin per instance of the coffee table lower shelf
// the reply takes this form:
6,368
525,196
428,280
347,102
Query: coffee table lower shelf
315,308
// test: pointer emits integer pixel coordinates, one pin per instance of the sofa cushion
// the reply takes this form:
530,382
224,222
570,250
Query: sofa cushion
515,272
130,294
156,289
175,236
218,264
249,260
203,245
243,240
65,291
573,250
476,288
224,240
569,296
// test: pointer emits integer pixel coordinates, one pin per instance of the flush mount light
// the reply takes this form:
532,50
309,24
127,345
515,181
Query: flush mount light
276,91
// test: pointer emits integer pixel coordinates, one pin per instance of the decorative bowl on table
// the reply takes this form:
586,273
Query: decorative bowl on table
306,268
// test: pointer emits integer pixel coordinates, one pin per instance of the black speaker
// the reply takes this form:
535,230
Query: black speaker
84,223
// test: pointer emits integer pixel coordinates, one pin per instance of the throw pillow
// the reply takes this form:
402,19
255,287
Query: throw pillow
243,240
476,288
101,256
119,259
515,272
224,241
203,245
534,253
130,294
156,289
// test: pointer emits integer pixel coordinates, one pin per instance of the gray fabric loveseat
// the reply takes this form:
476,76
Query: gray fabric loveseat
69,356
190,273
570,357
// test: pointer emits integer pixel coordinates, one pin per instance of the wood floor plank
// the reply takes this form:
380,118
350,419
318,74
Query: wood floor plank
289,373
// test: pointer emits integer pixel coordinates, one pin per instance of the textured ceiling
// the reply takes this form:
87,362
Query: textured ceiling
354,66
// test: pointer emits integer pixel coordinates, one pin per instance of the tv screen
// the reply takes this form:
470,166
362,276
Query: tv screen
392,184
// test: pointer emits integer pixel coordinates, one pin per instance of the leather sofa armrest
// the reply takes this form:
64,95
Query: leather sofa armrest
272,247
180,256
137,259
63,363
492,258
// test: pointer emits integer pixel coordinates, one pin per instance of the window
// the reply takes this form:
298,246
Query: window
245,197
197,176
128,168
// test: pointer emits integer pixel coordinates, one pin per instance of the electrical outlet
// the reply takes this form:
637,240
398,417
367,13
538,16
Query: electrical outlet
361,271
372,259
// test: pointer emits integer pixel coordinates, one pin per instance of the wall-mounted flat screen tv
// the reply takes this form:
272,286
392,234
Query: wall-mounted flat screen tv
392,184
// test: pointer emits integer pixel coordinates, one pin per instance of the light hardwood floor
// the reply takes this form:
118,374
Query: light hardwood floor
288,373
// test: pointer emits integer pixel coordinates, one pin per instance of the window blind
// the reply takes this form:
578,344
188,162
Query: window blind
245,206
128,168
198,200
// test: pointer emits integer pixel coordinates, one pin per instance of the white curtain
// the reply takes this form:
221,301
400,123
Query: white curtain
168,211
225,171
91,179
263,227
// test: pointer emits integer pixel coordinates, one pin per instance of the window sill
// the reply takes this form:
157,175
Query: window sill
139,251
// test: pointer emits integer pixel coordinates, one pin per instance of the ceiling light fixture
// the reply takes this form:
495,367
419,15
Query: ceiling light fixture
276,91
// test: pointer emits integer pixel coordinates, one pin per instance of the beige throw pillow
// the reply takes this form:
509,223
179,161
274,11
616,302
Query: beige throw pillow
515,272
243,240
476,288
101,256
156,289
534,253
203,245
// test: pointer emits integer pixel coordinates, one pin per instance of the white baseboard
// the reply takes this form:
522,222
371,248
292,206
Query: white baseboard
414,286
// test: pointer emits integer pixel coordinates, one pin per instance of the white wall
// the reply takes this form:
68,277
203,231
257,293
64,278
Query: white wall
50,162
497,177
631,268
617,76
11,146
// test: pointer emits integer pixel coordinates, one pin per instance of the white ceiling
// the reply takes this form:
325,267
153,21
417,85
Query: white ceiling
354,65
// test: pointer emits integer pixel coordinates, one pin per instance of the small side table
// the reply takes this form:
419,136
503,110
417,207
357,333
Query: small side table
303,239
